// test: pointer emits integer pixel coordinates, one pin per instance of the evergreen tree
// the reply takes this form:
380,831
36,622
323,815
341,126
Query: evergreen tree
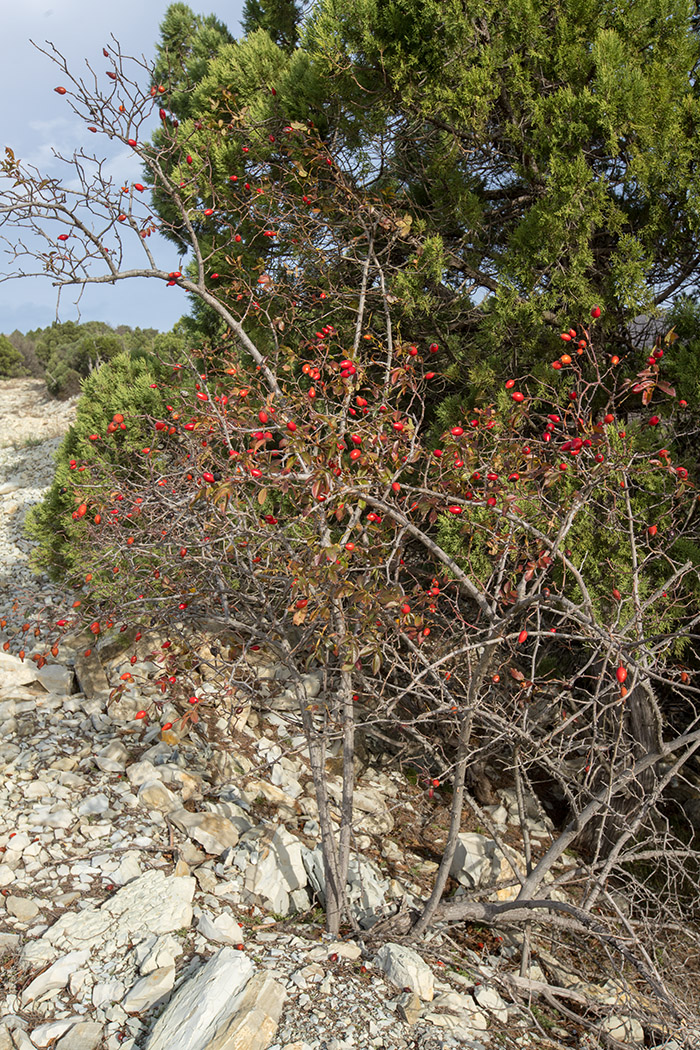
11,361
542,155
551,149
279,18
188,42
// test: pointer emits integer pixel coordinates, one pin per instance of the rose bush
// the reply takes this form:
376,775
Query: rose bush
475,598
469,572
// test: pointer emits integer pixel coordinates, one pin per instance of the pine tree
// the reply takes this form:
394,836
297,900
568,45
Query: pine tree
551,148
543,156
11,361
188,43
279,18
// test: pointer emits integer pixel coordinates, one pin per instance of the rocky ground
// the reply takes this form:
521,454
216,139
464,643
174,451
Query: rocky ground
31,428
159,883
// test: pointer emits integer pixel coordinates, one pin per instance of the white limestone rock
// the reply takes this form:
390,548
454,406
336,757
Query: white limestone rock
343,949
17,843
624,1029
475,862
373,815
463,1008
180,780
149,990
204,1004
15,672
23,908
221,929
368,890
87,1035
405,968
153,903
8,710
153,794
140,772
154,953
460,1029
498,814
49,816
93,805
46,1033
57,976
490,1000
79,980
9,942
56,678
251,1019
39,952
112,758
288,700
275,869
21,1040
285,781
105,993
409,1007
270,793
214,833
129,868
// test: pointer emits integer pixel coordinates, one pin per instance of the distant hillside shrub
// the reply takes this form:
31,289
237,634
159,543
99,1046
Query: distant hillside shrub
11,361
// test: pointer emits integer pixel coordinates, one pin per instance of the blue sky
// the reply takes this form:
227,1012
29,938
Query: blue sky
33,121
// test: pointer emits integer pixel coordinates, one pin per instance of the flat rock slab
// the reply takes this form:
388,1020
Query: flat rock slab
47,1034
112,758
87,1035
23,908
222,928
152,903
475,862
204,1004
57,976
461,1008
153,794
91,676
223,1007
149,990
211,831
490,1000
56,678
14,672
253,1025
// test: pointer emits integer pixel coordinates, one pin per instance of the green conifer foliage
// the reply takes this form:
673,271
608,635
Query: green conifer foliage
69,351
279,18
188,42
126,385
542,156
11,361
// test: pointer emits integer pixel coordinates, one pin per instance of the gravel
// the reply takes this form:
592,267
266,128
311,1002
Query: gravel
31,429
